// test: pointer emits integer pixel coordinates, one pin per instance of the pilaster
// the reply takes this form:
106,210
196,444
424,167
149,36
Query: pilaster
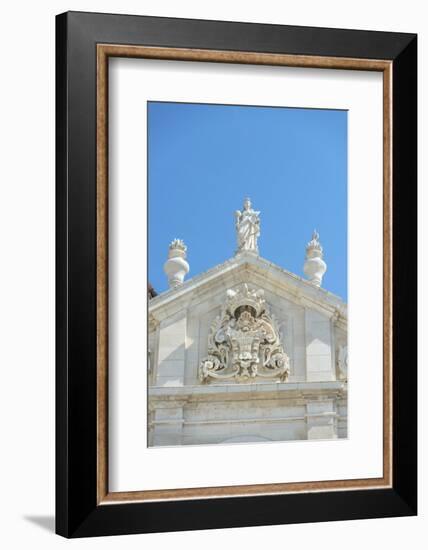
319,359
321,419
167,425
172,350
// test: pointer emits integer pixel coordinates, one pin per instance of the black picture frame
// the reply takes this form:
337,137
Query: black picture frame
77,511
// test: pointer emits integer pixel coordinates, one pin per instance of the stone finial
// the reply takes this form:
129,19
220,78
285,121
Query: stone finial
176,267
314,266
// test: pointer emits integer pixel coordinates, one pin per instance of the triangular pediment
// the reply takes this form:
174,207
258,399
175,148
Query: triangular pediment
254,270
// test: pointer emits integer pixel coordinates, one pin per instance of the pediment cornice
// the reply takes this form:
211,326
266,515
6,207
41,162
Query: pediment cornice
253,269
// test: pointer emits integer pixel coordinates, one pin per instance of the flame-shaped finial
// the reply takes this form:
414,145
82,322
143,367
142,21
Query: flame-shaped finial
314,266
176,266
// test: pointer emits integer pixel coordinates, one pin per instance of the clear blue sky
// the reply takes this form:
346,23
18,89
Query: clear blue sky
203,161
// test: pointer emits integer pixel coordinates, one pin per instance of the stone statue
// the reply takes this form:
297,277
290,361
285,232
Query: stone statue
247,225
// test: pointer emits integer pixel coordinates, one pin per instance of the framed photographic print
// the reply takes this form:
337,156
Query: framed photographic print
236,274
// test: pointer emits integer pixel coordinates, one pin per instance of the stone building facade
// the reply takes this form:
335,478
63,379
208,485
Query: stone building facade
246,351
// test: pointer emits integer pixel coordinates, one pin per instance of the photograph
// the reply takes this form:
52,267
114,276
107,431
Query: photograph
213,264
247,274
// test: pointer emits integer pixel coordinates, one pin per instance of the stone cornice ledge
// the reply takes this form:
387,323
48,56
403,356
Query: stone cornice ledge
229,392
299,287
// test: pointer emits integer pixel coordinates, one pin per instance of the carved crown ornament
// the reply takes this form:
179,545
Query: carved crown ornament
244,341
153,323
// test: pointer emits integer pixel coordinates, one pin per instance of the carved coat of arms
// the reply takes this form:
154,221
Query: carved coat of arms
244,342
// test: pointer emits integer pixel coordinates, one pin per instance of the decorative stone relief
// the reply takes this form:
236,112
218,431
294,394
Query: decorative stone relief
244,342
339,315
247,225
149,361
153,323
342,362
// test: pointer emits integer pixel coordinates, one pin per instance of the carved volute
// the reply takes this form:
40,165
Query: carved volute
244,342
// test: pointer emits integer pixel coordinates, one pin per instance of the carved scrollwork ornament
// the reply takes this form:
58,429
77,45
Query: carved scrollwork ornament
342,362
244,341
